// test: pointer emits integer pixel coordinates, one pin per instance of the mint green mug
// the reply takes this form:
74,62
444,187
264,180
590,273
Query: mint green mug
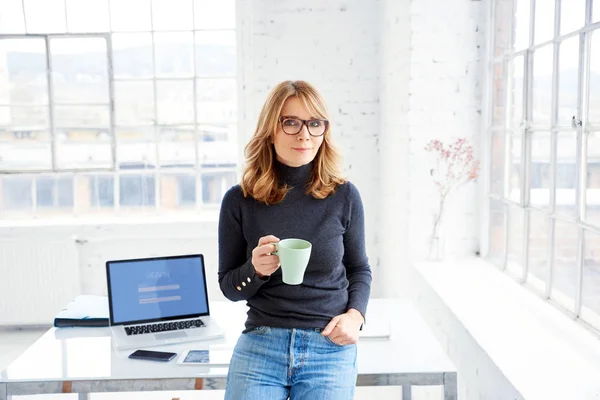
293,257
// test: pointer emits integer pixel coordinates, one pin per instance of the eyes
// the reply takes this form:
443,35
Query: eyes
312,123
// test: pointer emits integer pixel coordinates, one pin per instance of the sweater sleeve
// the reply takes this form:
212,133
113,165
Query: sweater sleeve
355,258
237,277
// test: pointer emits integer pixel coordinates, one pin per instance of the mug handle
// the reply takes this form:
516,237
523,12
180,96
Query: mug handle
276,248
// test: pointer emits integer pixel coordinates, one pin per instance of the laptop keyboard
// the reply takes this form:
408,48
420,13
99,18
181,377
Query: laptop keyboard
164,327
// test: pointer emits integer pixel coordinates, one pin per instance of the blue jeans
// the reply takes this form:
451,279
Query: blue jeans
276,363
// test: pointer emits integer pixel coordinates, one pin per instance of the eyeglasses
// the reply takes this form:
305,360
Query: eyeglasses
293,126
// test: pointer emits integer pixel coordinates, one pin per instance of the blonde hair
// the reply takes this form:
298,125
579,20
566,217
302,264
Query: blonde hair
260,179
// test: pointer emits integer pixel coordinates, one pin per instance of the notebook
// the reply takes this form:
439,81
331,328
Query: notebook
85,310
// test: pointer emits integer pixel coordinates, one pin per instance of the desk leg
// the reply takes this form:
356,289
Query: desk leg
83,396
450,386
406,391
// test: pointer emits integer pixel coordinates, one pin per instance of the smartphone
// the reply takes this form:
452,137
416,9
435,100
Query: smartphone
152,355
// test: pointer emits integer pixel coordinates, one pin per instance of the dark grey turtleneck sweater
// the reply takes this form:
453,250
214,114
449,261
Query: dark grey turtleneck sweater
338,276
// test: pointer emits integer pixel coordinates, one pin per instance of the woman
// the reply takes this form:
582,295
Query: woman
300,340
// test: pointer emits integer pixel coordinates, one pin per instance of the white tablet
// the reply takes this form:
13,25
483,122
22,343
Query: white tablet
376,329
212,357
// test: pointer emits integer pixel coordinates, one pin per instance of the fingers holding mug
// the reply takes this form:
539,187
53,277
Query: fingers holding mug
264,262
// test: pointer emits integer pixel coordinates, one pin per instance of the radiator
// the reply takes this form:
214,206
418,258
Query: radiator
38,276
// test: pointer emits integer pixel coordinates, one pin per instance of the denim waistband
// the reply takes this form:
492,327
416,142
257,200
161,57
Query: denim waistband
318,330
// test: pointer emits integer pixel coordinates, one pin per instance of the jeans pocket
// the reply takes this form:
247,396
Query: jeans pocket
257,330
328,339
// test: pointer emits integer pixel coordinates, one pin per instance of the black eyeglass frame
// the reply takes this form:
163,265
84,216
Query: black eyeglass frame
305,123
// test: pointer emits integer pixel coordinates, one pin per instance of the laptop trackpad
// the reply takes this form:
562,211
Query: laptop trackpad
170,335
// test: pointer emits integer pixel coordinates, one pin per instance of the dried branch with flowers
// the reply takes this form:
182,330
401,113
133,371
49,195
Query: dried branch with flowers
455,166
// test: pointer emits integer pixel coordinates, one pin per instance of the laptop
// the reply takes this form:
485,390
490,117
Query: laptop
159,301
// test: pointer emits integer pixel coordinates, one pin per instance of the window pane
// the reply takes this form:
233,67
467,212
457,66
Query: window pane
516,168
515,240
54,191
176,147
101,191
137,190
209,14
174,54
539,177
592,195
590,295
136,148
83,148
130,15
537,263
215,54
498,162
596,11
215,184
572,17
498,96
544,20
171,15
564,272
45,16
134,102
23,77
80,70
542,86
17,192
568,80
516,85
25,148
566,173
594,104
82,116
87,15
218,145
11,16
175,101
24,119
217,100
132,55
497,229
522,23
178,190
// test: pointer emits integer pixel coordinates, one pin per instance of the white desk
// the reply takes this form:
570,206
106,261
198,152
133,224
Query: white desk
82,360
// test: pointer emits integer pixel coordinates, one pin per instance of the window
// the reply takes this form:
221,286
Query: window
137,190
101,189
215,184
112,105
54,191
544,135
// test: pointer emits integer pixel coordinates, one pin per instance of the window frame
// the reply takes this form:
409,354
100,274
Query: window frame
581,128
199,167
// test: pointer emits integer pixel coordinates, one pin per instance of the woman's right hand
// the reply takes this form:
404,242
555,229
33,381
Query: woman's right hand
263,261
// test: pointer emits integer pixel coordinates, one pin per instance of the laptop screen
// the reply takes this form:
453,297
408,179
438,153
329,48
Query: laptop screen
156,289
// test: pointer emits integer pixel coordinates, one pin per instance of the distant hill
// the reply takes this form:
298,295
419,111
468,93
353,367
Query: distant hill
212,60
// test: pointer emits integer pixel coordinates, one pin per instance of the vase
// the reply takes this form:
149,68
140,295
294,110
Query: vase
437,242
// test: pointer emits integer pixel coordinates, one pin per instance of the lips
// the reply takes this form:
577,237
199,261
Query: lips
302,148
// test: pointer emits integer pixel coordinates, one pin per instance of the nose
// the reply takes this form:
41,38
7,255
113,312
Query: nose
303,134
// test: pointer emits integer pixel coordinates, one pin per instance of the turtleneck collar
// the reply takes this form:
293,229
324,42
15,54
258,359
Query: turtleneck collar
293,176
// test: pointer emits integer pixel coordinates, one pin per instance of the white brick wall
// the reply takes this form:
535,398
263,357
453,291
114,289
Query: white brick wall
431,87
447,69
394,138
395,74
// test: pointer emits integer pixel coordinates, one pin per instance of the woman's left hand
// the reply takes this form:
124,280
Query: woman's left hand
343,329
